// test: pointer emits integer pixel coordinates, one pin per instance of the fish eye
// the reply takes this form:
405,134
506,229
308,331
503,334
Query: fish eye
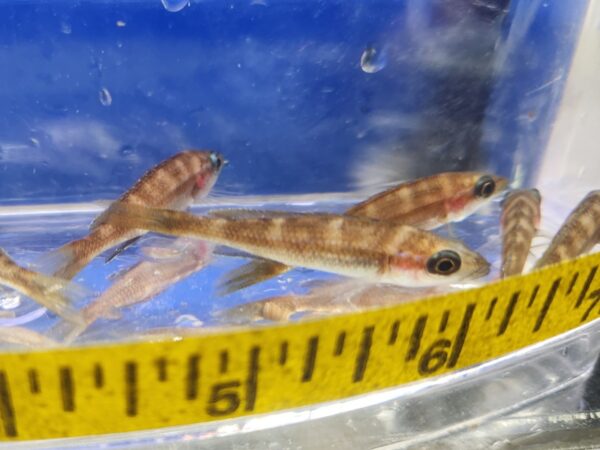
485,186
216,160
445,262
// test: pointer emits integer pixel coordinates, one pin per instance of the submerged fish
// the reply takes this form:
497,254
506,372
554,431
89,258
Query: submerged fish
520,221
175,183
54,293
142,282
424,203
353,246
327,298
578,234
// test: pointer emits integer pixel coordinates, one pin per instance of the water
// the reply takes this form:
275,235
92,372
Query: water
195,301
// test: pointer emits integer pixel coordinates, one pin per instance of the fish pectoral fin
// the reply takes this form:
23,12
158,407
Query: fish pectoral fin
120,249
250,274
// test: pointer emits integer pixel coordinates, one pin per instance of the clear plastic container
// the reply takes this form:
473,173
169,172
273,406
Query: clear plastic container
316,105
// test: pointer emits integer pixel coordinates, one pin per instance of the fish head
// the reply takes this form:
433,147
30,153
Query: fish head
473,190
436,261
526,200
207,167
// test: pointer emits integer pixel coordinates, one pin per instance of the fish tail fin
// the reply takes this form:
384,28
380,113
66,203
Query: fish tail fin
66,332
65,262
58,296
250,274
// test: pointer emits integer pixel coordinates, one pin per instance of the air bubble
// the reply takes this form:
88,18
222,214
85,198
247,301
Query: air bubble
373,60
105,97
65,28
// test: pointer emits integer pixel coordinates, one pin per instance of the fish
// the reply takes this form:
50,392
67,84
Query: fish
332,297
425,203
358,247
520,221
54,293
174,183
141,282
577,235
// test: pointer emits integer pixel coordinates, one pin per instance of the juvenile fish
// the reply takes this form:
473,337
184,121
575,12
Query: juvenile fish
54,293
329,298
519,221
425,203
578,234
142,282
175,183
352,246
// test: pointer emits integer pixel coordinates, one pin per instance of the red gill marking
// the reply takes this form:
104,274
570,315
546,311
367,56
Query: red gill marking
458,203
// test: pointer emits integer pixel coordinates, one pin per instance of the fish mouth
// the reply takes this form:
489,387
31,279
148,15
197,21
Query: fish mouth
483,269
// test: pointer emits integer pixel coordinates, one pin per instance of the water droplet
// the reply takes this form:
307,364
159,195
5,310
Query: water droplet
105,97
258,3
34,142
121,23
373,60
175,5
65,28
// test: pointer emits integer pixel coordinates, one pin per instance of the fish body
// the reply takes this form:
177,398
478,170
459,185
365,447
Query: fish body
520,221
149,278
353,246
54,293
333,297
141,282
175,183
430,202
578,234
425,203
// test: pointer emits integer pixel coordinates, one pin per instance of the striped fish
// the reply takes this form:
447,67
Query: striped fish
519,221
425,203
578,234
175,183
358,247
54,293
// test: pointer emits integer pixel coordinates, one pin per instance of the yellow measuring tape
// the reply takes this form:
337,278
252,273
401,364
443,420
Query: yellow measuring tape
126,387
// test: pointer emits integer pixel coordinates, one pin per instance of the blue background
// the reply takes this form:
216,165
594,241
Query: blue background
277,87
